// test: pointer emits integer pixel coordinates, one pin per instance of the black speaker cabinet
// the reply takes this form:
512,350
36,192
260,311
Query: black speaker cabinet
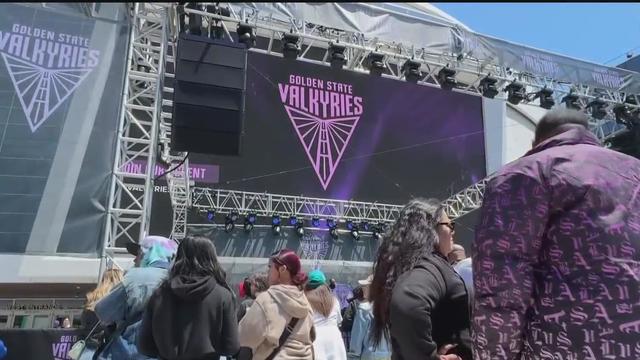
209,96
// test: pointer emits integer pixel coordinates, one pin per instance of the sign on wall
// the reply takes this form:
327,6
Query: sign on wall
61,80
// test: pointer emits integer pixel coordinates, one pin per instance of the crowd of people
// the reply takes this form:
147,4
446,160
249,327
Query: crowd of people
554,274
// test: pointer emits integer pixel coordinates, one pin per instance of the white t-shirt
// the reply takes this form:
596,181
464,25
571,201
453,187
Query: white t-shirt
329,344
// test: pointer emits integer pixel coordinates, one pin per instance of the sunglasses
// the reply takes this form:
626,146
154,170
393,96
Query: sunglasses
451,225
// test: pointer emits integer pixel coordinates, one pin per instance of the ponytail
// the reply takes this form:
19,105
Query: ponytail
300,279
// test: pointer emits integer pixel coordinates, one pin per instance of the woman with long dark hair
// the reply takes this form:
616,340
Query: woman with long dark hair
281,312
192,315
419,301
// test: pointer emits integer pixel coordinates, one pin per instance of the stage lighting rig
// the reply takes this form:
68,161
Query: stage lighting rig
275,224
488,87
447,78
293,220
336,56
374,62
300,228
598,109
364,226
290,48
411,71
315,222
195,20
515,93
572,101
246,35
546,98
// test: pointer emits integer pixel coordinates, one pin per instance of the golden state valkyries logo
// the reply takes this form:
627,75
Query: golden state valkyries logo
45,67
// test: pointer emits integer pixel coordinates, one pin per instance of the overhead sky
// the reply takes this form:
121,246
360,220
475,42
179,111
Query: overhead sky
598,32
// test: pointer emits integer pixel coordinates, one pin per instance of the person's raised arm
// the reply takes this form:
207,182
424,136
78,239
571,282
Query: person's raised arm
508,239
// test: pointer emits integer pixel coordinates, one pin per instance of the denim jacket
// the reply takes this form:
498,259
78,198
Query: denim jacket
361,346
125,305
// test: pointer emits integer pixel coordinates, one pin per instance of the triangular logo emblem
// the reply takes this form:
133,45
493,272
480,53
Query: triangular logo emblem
41,91
324,140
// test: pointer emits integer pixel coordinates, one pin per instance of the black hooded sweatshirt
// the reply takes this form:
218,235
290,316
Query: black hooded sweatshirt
189,318
430,308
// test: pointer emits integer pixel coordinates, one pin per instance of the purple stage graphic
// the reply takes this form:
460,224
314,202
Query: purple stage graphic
319,132
324,115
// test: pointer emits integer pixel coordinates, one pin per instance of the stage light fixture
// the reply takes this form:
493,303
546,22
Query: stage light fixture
622,113
334,233
229,224
248,226
331,223
350,225
211,215
515,93
333,228
447,78
598,109
195,21
293,220
488,87
252,217
246,35
290,48
411,71
376,233
374,62
355,234
234,216
572,101
546,98
275,224
336,56
224,11
300,228
364,226
315,222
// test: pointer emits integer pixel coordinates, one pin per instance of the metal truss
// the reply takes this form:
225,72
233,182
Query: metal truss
129,213
264,204
466,200
469,199
178,180
469,71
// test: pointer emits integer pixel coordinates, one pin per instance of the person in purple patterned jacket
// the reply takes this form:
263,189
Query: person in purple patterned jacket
556,257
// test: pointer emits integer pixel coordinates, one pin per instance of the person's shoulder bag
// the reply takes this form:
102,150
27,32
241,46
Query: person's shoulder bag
79,346
246,354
